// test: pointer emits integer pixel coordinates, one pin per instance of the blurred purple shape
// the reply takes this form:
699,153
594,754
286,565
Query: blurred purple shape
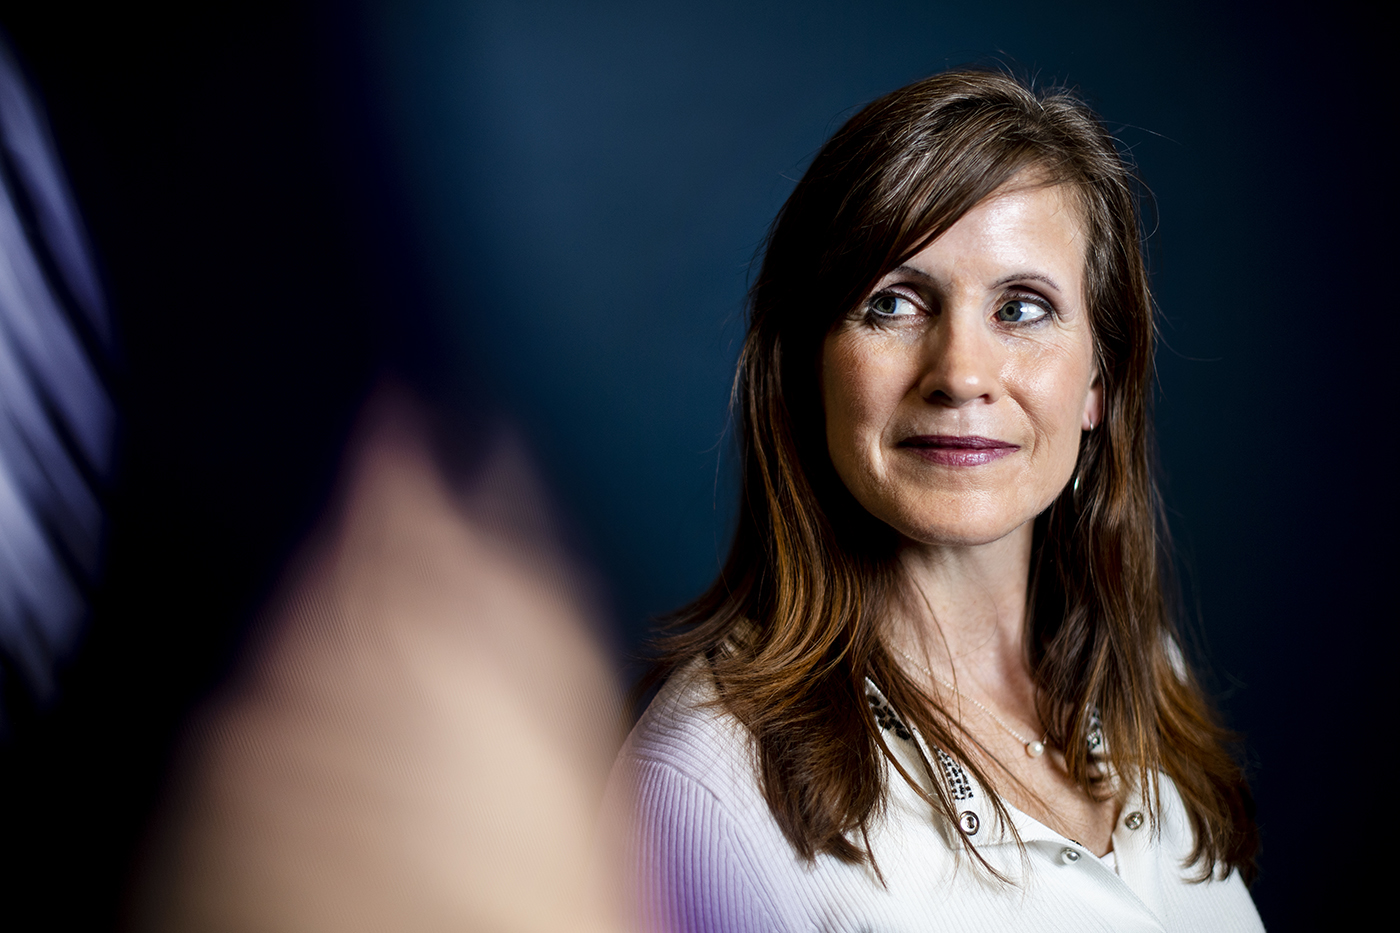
56,419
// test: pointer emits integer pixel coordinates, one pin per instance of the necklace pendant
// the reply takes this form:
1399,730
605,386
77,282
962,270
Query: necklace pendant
1035,748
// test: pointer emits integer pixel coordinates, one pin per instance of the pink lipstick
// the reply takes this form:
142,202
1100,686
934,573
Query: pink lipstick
958,450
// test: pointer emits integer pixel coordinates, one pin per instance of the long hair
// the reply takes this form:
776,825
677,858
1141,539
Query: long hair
795,623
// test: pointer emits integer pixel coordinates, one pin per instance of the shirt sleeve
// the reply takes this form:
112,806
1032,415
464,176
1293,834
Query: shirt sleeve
696,871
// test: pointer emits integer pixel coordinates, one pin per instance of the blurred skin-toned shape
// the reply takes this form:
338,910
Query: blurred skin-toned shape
420,736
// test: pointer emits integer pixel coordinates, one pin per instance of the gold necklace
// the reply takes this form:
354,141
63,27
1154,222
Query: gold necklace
1034,747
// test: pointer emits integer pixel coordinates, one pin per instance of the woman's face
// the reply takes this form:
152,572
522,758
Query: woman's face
955,394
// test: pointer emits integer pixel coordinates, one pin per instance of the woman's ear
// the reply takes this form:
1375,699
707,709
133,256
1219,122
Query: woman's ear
1093,404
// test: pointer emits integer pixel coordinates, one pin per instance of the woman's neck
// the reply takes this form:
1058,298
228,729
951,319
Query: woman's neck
963,624
965,610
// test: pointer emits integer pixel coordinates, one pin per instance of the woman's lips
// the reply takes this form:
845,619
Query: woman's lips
956,450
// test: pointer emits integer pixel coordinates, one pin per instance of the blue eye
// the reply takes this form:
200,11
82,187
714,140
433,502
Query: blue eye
891,306
1018,311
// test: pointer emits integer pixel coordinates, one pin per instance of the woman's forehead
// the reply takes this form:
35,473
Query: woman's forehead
1028,221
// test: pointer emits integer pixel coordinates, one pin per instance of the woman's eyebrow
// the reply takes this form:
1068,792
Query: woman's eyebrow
1027,276
908,271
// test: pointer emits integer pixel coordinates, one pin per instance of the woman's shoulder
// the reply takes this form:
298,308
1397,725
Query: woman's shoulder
687,730
698,840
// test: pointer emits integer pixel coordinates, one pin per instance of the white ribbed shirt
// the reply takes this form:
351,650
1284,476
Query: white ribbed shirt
706,854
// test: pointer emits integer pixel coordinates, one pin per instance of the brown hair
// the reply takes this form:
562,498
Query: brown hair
794,625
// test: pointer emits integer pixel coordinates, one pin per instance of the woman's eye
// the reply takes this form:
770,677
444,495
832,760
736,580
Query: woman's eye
1018,311
891,306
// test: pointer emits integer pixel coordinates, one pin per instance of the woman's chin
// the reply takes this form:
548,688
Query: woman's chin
966,534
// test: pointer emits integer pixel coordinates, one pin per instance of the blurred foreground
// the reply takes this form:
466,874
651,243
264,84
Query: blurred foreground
419,737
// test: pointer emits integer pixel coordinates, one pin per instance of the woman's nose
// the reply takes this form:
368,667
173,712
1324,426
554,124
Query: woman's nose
961,361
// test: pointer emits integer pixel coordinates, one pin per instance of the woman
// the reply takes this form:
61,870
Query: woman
936,684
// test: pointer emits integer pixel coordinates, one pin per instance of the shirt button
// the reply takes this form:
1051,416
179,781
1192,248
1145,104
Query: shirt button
1133,820
1069,856
968,822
